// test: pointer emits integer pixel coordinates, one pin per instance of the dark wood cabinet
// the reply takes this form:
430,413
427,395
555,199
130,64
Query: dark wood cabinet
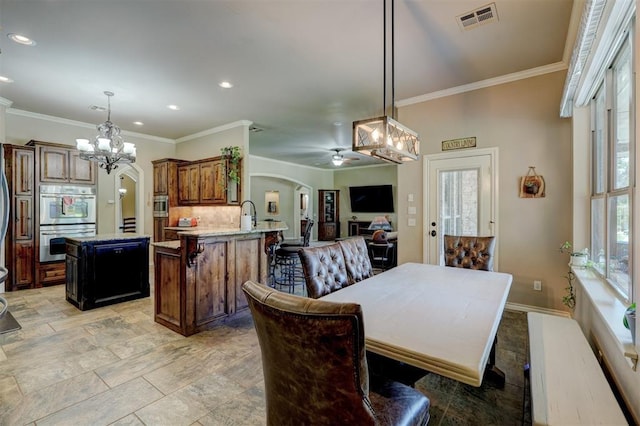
60,164
190,297
189,184
328,214
20,240
202,182
104,272
165,182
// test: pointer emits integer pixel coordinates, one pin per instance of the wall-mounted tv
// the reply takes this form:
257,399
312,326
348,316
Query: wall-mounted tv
371,199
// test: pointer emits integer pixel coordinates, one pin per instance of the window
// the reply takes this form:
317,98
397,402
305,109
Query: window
613,172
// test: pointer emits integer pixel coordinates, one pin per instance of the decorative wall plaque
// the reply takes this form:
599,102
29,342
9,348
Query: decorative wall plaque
459,143
532,185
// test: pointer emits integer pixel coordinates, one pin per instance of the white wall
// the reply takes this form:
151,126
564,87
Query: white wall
521,119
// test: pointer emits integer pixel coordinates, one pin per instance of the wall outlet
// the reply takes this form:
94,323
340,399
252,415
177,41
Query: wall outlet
537,285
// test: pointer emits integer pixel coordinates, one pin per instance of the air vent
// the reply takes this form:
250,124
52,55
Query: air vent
481,16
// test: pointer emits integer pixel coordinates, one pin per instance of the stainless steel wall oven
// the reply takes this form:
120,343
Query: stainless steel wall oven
65,211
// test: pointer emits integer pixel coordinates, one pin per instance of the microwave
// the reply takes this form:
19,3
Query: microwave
161,206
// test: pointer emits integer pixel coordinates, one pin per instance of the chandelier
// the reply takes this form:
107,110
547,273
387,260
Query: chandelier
384,137
107,148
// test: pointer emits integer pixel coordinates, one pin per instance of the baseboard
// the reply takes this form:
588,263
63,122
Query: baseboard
528,308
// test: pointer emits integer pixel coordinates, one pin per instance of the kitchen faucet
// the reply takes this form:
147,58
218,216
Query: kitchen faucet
254,216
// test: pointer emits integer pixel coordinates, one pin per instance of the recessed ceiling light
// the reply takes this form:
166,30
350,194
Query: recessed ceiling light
225,85
21,39
173,107
138,123
4,79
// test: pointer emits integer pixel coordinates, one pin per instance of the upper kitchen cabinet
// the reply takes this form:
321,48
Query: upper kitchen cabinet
204,182
61,164
189,184
165,178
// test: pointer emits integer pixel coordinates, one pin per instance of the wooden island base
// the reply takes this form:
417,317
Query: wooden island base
198,279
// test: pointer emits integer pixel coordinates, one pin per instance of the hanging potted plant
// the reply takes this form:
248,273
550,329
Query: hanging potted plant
579,259
233,154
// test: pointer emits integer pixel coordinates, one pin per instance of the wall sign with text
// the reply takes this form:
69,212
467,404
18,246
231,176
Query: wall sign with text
459,143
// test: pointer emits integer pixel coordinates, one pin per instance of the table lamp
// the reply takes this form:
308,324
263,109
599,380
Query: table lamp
380,222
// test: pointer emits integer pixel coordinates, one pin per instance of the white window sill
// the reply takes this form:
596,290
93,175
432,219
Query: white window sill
611,310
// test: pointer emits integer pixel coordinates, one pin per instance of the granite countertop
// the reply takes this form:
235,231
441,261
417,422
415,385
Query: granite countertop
108,237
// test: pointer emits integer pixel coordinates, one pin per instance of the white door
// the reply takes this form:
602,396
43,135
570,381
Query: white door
460,198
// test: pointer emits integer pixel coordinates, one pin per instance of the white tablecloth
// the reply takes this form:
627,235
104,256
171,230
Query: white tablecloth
441,319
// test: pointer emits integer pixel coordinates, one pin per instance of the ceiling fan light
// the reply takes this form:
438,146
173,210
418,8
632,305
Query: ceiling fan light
337,160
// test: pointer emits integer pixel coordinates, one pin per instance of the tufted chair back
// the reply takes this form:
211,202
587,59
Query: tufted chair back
315,368
324,269
469,252
356,259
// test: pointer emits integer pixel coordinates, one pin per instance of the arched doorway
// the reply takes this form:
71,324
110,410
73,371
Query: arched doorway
129,190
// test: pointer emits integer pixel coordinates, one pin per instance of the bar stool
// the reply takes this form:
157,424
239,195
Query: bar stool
381,255
289,271
288,263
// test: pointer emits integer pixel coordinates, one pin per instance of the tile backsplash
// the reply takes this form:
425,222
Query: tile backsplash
210,216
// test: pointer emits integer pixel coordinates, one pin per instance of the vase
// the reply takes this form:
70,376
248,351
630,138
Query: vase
578,259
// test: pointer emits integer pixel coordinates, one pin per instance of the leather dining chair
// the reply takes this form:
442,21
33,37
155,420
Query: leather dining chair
475,253
356,259
324,269
469,252
315,369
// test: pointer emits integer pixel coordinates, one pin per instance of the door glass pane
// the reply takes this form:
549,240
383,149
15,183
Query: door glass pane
622,75
618,259
458,203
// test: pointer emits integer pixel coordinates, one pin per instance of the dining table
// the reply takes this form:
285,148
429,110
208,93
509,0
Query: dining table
441,319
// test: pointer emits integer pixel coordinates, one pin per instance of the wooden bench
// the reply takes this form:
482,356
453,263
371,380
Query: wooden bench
568,386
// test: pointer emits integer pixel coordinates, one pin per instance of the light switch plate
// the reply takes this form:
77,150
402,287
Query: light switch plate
411,210
411,222
410,198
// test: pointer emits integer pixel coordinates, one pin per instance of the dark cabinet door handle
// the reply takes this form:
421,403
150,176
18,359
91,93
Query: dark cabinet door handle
433,233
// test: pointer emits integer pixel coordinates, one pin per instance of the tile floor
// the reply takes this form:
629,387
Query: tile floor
116,366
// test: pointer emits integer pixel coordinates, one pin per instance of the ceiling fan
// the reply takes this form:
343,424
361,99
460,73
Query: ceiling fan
338,159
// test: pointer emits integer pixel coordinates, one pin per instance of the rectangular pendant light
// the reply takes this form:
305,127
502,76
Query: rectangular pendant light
385,138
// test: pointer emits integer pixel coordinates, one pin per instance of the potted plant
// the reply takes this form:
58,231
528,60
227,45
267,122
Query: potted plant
577,259
233,154
629,321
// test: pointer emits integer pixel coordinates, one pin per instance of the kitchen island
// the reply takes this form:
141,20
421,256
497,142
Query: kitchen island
106,269
198,278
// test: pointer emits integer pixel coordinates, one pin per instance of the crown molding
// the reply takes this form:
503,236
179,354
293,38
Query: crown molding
224,127
508,78
75,123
